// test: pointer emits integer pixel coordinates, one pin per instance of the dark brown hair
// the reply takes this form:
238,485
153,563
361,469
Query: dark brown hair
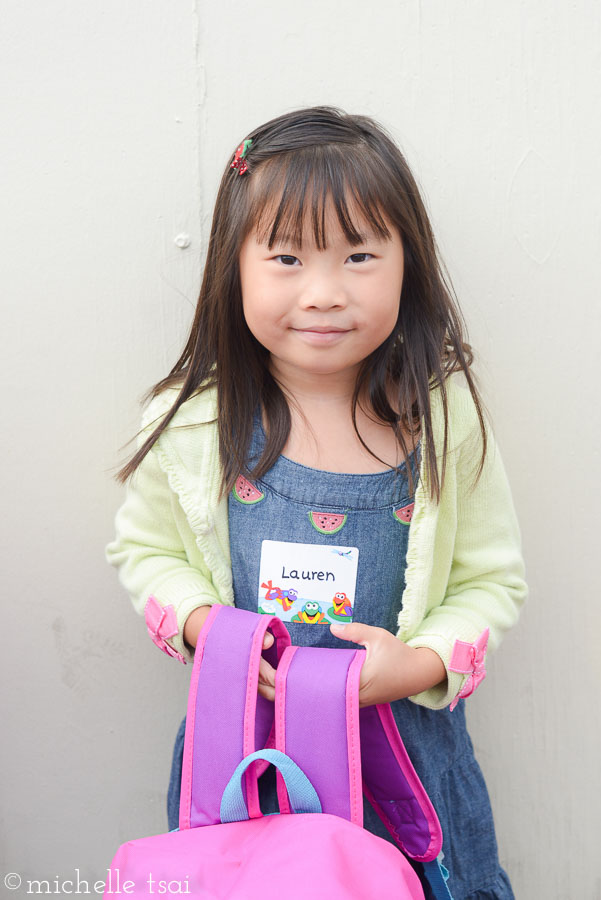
297,163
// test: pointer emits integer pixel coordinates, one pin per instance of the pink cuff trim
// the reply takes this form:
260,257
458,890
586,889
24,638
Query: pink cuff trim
162,624
468,659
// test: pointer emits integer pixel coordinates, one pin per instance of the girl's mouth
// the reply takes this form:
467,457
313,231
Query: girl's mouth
320,336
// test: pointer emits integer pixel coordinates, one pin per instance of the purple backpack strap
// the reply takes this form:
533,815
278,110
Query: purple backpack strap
339,747
393,788
317,724
226,718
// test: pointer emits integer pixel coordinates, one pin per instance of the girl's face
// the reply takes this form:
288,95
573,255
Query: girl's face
321,312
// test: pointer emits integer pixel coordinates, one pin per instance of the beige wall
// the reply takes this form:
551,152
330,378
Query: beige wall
118,120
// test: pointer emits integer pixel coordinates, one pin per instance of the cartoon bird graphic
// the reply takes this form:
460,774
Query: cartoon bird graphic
342,604
310,614
285,598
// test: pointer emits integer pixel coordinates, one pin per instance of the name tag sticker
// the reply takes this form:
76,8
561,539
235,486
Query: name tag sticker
309,583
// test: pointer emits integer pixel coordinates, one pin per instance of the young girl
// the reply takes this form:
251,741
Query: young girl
313,433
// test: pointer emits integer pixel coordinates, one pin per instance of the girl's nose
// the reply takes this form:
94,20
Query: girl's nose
323,293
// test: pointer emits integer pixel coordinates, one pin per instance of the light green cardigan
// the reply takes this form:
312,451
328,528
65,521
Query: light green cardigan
464,564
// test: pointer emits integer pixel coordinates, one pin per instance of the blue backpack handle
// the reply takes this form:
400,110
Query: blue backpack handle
302,794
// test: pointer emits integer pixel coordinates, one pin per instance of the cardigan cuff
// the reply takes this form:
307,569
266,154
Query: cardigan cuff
447,692
167,608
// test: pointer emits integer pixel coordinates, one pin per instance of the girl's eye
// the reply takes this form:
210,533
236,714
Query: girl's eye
361,257
287,260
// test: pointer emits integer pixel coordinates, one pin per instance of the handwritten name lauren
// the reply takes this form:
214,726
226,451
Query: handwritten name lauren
307,575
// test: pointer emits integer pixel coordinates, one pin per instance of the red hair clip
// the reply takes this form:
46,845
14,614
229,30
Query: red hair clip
239,162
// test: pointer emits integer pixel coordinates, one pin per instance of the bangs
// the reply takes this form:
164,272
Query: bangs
292,192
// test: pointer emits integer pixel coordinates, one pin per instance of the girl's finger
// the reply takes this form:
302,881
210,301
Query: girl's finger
266,691
355,632
266,674
268,640
266,680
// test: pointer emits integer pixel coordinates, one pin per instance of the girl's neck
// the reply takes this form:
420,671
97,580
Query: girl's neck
316,391
322,434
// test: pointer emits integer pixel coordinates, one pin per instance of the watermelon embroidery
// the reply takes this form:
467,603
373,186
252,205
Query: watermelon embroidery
404,514
327,523
246,492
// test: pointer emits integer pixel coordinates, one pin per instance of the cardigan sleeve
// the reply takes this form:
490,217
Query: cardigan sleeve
153,567
486,586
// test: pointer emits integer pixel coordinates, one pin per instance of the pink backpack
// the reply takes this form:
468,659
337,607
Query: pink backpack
326,751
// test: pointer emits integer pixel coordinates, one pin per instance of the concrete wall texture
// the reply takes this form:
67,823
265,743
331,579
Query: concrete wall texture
118,121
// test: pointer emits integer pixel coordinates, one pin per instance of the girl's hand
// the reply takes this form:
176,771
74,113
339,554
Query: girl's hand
392,670
193,627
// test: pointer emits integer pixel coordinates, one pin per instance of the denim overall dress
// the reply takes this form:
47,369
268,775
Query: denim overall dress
338,514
